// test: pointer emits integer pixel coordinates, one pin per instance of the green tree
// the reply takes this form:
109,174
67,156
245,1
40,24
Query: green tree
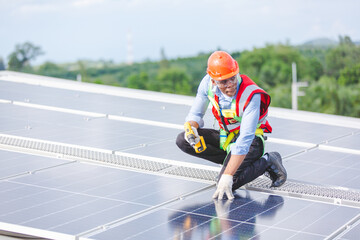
320,96
327,96
172,80
349,101
271,66
138,81
350,75
313,69
50,69
280,95
2,65
346,54
23,54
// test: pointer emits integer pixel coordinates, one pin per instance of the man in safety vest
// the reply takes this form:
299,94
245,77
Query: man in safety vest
240,107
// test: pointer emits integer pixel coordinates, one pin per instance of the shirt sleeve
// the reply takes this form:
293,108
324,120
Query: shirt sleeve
248,127
200,104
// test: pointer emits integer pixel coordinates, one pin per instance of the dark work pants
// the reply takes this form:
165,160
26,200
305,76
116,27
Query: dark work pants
252,166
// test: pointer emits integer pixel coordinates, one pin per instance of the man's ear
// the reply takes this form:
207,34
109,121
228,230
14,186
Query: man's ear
213,82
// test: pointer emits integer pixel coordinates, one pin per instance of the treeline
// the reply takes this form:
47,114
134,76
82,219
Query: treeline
333,74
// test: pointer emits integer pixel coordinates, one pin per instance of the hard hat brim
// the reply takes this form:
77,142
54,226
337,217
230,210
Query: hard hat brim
229,75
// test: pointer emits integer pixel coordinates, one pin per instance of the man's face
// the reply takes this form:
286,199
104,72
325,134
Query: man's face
227,86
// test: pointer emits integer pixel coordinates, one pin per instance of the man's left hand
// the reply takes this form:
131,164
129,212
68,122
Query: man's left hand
224,187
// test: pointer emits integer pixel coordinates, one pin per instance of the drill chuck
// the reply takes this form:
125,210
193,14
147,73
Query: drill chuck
191,141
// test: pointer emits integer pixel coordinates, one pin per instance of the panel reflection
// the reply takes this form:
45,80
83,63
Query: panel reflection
224,219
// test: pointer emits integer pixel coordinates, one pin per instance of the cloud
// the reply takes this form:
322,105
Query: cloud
36,8
85,3
339,28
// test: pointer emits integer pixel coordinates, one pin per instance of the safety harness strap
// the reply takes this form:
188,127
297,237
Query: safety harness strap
227,140
228,137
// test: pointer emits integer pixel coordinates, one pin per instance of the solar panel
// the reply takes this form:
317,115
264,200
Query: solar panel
15,164
250,215
83,161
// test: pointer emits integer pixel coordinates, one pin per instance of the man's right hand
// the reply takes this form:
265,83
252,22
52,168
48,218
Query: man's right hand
196,134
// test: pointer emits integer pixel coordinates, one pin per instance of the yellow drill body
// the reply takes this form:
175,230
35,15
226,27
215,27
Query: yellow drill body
190,136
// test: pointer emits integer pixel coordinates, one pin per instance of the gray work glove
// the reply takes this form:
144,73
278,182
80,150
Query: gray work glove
224,186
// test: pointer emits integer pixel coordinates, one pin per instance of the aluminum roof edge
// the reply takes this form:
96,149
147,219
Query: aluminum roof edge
29,232
311,117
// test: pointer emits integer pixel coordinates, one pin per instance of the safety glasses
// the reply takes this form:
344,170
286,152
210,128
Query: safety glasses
227,82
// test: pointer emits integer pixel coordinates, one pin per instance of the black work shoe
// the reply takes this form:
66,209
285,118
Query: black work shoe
270,175
276,170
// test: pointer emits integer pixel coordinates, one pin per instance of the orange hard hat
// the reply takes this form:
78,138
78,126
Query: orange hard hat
222,66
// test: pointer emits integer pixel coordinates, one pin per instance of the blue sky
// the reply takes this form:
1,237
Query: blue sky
69,30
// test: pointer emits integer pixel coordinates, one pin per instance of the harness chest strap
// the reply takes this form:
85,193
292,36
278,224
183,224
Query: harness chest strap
226,140
225,137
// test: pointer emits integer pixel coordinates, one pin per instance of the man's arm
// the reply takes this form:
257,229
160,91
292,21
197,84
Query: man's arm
200,105
233,164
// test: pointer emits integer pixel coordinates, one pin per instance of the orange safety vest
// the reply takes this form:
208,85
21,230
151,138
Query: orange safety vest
232,117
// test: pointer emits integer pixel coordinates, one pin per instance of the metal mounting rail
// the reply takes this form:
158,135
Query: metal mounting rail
197,172
297,189
107,157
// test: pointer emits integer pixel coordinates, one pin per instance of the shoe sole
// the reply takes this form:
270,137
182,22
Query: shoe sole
281,168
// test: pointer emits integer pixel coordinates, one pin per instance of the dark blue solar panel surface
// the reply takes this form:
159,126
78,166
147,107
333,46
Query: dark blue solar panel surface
78,198
249,215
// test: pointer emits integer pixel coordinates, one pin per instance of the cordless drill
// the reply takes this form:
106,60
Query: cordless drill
190,136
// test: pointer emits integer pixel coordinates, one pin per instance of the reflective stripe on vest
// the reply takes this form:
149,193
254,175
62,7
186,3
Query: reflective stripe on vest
244,99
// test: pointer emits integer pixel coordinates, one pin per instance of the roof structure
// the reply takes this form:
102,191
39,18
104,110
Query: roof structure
87,161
